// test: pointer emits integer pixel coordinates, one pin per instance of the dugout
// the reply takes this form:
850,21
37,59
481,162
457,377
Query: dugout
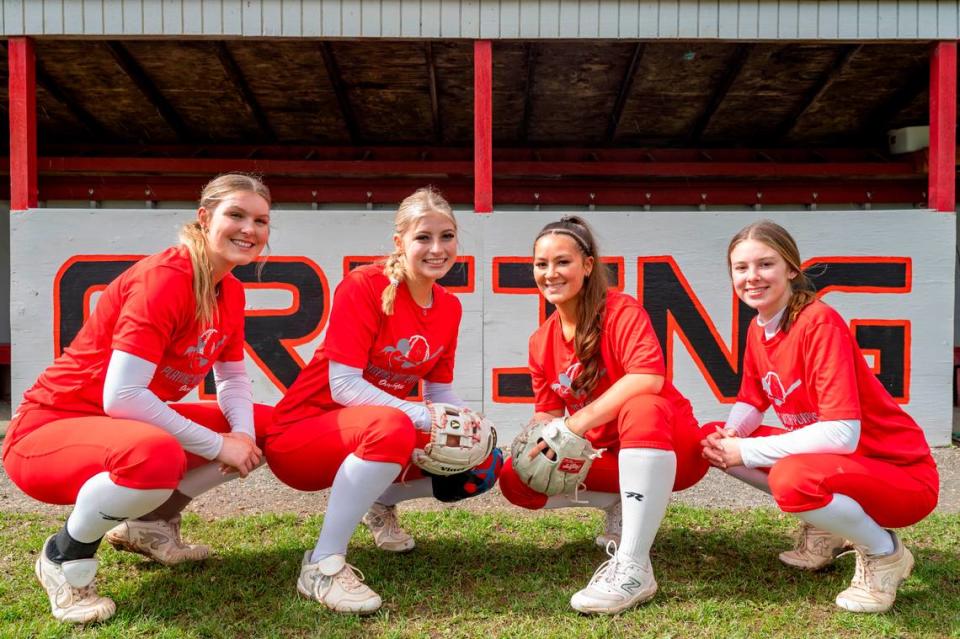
674,121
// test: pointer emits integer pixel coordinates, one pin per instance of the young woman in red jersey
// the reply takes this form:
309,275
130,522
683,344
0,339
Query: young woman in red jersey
848,461
598,360
96,431
346,423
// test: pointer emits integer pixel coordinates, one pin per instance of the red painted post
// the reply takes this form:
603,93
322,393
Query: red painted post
23,124
943,127
482,126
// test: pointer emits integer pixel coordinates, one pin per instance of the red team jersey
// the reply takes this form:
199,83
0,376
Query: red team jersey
628,345
148,311
394,351
816,372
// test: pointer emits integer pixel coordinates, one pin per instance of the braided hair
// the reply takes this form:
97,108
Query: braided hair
415,206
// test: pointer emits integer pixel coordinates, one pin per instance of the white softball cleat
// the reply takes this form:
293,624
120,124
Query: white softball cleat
876,579
816,549
72,590
618,584
336,584
387,533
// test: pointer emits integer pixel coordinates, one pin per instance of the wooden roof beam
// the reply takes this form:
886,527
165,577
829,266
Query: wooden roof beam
528,92
434,93
250,103
139,77
817,91
734,67
625,86
340,91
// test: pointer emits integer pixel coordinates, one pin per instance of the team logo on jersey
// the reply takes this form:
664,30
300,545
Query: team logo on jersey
564,384
410,352
774,389
208,345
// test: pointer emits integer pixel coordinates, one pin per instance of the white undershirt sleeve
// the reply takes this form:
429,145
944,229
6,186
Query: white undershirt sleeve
442,393
839,437
349,388
126,395
235,396
744,418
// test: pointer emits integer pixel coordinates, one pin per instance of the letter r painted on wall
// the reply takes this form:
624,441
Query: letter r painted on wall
272,335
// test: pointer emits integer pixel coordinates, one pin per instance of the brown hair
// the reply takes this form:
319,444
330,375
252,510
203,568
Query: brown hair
803,292
194,237
415,206
591,308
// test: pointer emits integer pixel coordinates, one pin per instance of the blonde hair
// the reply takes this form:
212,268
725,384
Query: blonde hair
413,208
193,236
802,290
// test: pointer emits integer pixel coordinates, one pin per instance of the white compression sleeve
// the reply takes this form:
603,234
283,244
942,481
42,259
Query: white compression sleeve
443,393
126,395
349,388
744,418
235,396
840,436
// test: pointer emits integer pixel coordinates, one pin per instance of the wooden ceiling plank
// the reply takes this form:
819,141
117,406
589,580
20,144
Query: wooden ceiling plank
250,102
818,90
138,76
737,62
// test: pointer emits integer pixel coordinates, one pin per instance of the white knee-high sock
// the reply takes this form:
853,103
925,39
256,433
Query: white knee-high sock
844,516
404,491
357,485
102,504
586,498
752,476
646,484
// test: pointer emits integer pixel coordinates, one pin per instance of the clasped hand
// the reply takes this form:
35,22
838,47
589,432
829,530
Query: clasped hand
722,448
239,454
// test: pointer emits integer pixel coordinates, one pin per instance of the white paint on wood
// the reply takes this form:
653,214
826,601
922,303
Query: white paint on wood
495,326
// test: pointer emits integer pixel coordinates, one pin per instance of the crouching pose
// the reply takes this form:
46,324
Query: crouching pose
848,461
95,429
345,422
597,359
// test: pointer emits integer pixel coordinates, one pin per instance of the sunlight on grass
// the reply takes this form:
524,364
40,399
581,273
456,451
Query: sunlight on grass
490,575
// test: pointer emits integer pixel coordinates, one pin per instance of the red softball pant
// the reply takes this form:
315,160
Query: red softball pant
894,496
645,421
307,454
50,454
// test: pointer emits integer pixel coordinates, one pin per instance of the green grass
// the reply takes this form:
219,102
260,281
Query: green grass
492,575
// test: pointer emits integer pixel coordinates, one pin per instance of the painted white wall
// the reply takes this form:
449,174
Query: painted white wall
496,326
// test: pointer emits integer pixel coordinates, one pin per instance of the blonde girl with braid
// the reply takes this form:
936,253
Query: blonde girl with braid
348,424
597,360
96,429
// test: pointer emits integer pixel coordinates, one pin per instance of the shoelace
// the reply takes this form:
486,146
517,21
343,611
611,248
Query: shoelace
601,573
388,521
350,577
